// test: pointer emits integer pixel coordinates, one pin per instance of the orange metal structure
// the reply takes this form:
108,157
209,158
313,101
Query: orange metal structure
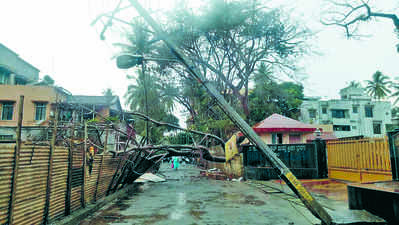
364,160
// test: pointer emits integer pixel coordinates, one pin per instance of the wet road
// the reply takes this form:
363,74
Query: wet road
187,198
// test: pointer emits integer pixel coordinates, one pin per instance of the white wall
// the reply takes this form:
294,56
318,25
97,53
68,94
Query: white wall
360,125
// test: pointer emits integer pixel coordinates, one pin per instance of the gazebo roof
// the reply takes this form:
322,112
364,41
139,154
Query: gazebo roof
279,123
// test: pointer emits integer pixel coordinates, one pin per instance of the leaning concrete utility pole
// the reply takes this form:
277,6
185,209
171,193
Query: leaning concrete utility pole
295,185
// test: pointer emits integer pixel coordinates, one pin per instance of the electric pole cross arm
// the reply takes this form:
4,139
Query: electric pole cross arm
310,202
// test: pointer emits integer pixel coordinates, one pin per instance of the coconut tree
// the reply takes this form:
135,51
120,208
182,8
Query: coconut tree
159,97
378,87
395,94
160,100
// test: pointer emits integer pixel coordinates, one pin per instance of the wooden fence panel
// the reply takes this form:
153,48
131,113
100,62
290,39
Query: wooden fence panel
109,166
364,160
77,179
58,184
30,195
6,166
91,179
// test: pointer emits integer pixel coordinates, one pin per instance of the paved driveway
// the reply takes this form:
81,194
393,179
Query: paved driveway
187,198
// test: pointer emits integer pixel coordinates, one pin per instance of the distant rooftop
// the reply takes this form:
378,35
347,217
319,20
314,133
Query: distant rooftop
112,101
353,92
11,62
347,93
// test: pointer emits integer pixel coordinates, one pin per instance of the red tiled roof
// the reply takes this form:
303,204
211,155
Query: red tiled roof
279,123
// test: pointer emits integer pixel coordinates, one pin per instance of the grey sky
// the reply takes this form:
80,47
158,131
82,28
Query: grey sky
56,37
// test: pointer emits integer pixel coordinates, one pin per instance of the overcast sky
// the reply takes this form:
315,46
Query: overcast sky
56,37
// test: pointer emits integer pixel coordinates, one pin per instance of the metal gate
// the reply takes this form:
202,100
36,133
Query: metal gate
304,160
364,160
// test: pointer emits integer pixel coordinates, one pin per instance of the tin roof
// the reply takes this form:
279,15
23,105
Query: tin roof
279,123
111,101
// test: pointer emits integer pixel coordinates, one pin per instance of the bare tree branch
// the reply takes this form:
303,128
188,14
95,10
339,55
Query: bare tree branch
348,15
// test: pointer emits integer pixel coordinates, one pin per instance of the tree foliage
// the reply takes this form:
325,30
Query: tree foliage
270,97
378,86
355,84
395,95
46,81
227,41
108,92
160,100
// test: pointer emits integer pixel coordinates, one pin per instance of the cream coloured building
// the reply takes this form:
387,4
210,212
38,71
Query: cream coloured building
355,114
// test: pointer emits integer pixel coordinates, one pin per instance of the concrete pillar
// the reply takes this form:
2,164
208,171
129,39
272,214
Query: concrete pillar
12,79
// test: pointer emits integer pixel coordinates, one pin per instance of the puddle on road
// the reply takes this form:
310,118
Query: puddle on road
239,198
155,218
176,214
326,188
197,213
251,200
180,209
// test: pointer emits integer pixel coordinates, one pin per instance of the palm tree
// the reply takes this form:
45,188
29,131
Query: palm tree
378,87
160,101
160,97
354,83
395,94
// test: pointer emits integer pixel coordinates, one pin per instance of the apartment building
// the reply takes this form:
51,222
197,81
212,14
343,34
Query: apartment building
18,77
14,70
355,114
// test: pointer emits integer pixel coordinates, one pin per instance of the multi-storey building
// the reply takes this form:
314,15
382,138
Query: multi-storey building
17,77
355,114
14,70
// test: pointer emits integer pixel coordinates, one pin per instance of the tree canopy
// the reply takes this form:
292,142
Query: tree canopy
108,92
378,86
159,99
269,96
227,41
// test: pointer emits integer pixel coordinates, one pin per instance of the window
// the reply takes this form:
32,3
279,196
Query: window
355,109
377,128
342,128
324,110
338,113
312,113
354,127
40,111
277,138
7,109
368,111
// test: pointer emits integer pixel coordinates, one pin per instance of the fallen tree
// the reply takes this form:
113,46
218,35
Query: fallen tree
142,159
181,150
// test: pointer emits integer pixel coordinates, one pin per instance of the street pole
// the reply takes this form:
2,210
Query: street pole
147,132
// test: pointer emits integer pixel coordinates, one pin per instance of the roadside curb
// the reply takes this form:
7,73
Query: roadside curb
80,214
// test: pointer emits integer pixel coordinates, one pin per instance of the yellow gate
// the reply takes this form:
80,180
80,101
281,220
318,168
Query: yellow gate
364,160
